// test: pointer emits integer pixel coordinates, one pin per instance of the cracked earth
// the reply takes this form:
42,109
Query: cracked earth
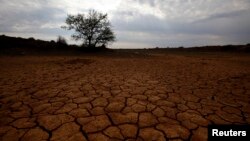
94,98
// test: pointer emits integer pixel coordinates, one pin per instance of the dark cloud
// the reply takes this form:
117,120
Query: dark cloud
32,20
227,26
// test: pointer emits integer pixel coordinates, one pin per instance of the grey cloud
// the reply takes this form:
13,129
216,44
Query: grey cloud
227,23
217,24
142,23
229,26
29,18
183,22
150,2
228,14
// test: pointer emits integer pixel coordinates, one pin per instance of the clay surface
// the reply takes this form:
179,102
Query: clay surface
93,97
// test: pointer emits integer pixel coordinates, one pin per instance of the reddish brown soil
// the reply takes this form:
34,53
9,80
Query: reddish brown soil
98,98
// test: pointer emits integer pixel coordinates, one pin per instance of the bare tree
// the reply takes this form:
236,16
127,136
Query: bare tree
94,28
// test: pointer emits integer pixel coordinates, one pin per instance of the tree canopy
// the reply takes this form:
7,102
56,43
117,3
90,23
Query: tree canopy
93,28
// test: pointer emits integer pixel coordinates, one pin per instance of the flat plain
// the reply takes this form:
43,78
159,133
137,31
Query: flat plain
131,96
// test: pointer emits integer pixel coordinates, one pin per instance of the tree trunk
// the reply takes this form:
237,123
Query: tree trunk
89,45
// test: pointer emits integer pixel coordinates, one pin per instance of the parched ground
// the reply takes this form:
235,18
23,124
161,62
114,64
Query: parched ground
98,98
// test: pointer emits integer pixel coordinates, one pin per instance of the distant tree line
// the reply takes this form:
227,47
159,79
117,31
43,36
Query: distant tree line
18,45
14,42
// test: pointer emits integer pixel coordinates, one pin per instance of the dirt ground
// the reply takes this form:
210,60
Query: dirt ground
136,97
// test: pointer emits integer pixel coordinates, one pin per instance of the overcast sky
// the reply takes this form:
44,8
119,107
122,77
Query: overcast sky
136,23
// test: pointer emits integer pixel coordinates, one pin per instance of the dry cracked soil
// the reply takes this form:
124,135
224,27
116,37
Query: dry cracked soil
97,98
